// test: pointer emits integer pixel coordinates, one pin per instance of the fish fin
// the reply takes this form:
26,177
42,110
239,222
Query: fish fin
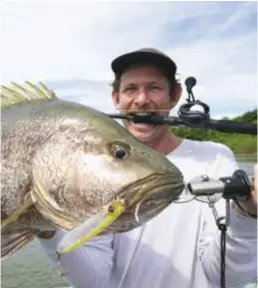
91,228
24,208
15,240
15,93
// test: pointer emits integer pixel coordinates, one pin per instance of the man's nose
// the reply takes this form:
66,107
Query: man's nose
142,97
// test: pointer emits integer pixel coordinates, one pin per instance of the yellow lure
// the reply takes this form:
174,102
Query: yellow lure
115,210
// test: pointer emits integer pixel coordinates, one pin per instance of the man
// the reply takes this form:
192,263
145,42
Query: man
181,246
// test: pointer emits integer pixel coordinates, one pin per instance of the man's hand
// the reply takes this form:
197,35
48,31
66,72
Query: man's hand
250,206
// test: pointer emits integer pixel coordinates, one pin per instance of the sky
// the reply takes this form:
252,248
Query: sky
69,45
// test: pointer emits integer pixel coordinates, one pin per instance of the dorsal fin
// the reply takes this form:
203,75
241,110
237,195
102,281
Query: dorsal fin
15,93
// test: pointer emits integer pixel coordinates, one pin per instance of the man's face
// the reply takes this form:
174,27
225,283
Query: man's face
143,89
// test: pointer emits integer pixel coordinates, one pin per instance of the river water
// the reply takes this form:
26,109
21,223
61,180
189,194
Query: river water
30,267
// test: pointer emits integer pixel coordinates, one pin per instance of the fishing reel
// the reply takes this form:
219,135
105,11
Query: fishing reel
193,118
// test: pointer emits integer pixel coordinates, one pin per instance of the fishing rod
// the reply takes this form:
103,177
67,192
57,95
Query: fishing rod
192,118
237,188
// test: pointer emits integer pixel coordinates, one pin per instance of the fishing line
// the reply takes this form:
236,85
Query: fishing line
236,188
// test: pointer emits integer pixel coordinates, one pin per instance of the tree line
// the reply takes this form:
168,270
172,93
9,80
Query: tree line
239,143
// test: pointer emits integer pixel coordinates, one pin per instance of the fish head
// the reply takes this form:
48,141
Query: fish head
100,161
111,164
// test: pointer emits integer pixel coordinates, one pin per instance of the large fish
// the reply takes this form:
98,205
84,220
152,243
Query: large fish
65,165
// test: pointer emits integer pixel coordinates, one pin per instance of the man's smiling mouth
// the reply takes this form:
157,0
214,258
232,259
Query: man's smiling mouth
141,125
143,113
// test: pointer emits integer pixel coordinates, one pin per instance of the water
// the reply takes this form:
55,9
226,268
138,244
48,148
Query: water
30,267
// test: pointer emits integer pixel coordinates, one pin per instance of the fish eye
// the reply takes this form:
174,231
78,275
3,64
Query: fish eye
120,151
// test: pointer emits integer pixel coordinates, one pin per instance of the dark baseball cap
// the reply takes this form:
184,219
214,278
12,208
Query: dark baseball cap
147,56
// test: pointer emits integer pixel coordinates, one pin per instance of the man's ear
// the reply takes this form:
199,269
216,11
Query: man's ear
176,95
115,99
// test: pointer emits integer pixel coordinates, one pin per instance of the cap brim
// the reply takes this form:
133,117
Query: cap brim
123,62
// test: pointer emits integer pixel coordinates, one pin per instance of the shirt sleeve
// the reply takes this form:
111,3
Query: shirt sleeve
87,267
241,240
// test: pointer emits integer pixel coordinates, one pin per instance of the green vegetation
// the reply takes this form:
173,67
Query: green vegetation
241,144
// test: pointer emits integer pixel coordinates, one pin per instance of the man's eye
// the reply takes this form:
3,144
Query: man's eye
154,88
130,89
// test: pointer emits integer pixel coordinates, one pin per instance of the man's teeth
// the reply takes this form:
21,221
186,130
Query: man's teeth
143,113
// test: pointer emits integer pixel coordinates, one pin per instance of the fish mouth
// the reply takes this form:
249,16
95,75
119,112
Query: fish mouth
146,199
154,185
152,202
